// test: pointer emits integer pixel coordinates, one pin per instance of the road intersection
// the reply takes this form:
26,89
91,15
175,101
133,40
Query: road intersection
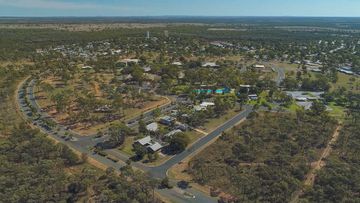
83,144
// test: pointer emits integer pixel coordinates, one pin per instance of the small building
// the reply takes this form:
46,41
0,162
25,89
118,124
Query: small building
87,68
146,141
130,61
152,127
210,64
171,133
154,147
203,106
146,69
346,70
203,91
253,97
207,104
301,99
315,70
199,108
167,120
177,63
303,96
223,91
259,66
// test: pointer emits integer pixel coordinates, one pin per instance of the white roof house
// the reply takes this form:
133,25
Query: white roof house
130,60
144,141
147,68
177,64
203,106
207,104
301,99
87,67
253,96
152,127
259,66
210,64
149,143
199,108
155,146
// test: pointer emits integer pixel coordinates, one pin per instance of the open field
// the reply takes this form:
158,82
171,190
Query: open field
213,123
351,83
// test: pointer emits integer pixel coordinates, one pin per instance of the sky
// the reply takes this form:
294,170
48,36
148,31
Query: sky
32,8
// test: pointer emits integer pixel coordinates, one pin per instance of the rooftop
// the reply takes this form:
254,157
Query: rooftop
152,127
155,146
144,141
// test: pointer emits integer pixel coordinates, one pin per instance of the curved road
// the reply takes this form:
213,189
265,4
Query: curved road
83,144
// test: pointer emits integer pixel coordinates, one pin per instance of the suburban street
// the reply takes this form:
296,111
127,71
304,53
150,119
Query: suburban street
83,144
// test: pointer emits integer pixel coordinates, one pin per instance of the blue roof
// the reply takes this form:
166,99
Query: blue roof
203,91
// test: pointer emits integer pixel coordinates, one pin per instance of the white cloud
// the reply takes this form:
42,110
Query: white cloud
51,4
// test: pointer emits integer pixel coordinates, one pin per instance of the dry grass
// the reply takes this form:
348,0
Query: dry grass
86,128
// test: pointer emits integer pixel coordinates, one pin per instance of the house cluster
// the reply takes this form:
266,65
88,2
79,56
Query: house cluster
154,145
90,51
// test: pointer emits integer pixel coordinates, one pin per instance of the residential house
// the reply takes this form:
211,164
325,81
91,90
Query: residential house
210,64
151,145
253,97
167,120
152,127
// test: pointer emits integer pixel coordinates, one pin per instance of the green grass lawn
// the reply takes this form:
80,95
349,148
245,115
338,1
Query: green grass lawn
194,136
213,123
127,147
337,111
293,107
345,81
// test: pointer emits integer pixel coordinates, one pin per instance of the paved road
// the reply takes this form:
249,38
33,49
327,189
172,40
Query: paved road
83,144
280,75
160,171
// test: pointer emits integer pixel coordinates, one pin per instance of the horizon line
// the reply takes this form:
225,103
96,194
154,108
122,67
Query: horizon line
174,16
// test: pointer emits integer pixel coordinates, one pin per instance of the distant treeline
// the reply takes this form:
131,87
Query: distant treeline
338,22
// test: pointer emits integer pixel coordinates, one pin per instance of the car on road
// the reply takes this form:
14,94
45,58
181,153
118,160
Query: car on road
98,136
189,195
131,122
183,184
